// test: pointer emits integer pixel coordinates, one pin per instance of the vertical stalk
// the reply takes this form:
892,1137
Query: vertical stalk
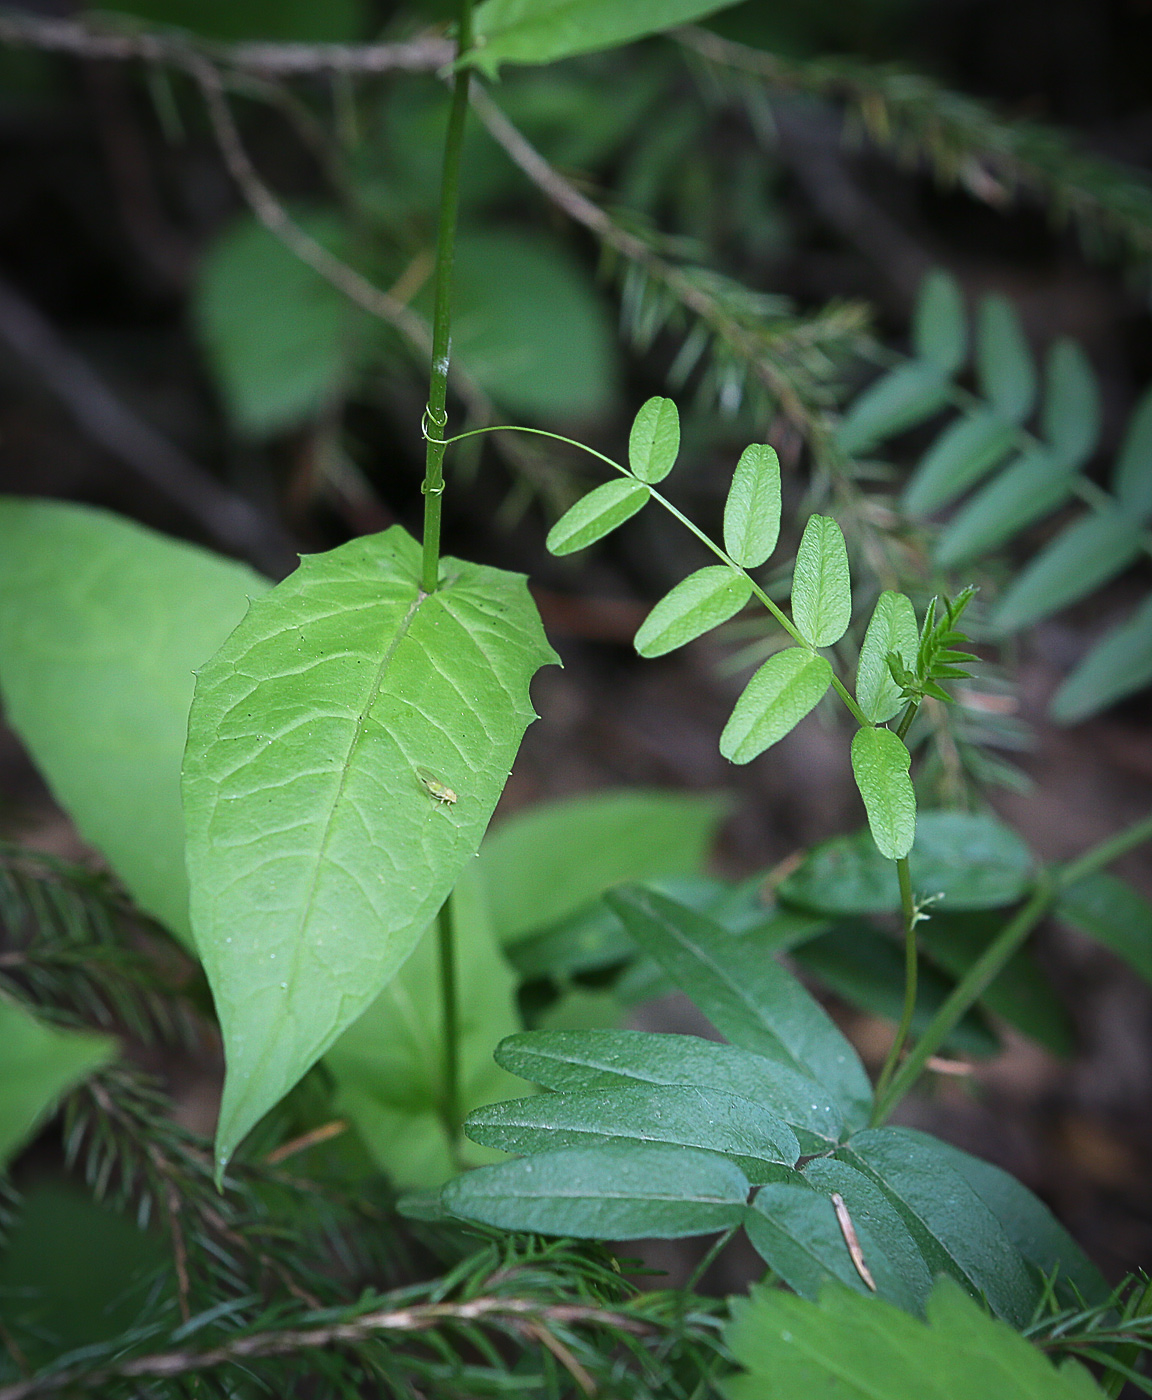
436,412
449,1002
908,907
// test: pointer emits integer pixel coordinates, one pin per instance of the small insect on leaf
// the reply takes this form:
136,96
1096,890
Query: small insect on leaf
441,792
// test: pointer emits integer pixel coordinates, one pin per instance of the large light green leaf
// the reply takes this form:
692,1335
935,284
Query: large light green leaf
1004,364
821,587
752,510
1113,913
949,1221
752,1136
603,1059
38,1063
1070,418
970,859
892,628
746,995
1119,663
549,862
965,451
542,31
1132,474
597,514
102,624
847,1347
280,340
654,440
389,1065
880,764
613,1192
346,748
698,603
774,701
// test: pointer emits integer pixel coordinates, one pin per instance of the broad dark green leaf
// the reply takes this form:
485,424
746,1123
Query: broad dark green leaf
102,624
892,628
755,1138
950,1223
1078,561
821,586
1030,1225
280,339
880,764
896,401
597,514
1119,664
1004,366
965,451
847,1347
752,510
940,327
388,1066
542,31
614,1192
971,859
604,1059
322,738
39,1063
1025,491
775,700
551,861
1070,418
1132,474
654,441
747,996
700,602
1115,914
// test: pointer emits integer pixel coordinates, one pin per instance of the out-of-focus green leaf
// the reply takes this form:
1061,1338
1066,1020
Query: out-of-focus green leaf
547,863
1119,663
939,327
597,514
880,764
654,441
1032,486
613,1192
102,625
752,510
1004,364
1070,418
775,700
389,1065
322,737
38,1063
1115,914
821,586
892,629
898,400
970,859
965,451
696,605
1132,474
281,341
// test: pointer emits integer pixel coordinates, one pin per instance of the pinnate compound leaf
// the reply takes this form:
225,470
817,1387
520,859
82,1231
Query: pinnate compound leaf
856,1348
821,586
954,1229
698,603
774,701
752,510
605,1059
964,452
972,860
748,997
597,514
1132,474
939,327
1119,663
542,31
1113,913
1004,364
654,441
613,1192
892,629
1070,418
680,1115
39,1063
880,764
102,624
318,852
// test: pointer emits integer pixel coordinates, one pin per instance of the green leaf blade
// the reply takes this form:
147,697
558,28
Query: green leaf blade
696,605
1115,914
775,700
654,441
1070,418
1004,364
597,514
308,734
1026,490
752,510
940,327
898,400
892,629
964,452
821,584
1119,663
1132,474
880,765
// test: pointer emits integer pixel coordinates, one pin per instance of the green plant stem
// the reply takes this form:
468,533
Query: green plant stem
911,971
982,972
436,412
906,719
449,1003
